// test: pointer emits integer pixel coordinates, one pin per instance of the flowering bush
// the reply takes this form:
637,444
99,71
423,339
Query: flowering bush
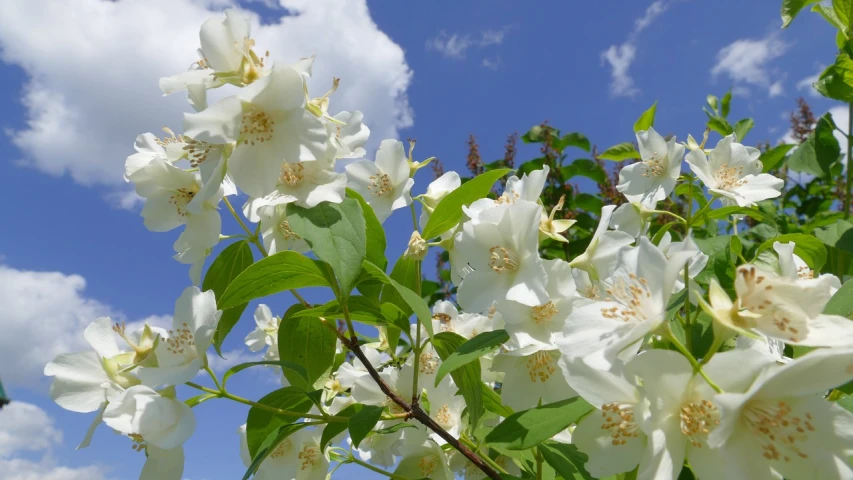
695,326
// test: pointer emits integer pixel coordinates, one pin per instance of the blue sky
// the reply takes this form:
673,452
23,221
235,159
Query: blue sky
76,89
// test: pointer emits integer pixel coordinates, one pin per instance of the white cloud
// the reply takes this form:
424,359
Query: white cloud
492,63
92,83
620,57
24,428
457,45
232,357
747,62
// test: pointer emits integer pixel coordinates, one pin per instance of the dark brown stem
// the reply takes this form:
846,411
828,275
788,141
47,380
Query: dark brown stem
415,411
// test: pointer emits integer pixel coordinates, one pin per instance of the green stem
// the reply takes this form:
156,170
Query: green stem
278,411
695,364
702,210
213,376
485,458
539,462
414,217
688,334
849,185
253,237
417,347
376,469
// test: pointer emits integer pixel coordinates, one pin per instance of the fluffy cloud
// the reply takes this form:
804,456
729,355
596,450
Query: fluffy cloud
807,83
457,45
27,428
92,83
747,62
620,57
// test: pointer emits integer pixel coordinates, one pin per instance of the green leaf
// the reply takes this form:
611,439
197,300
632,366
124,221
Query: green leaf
492,402
228,265
336,233
790,9
363,422
376,241
809,248
720,125
528,428
713,103
828,14
333,429
361,309
774,157
261,423
412,299
726,105
448,212
471,350
588,202
842,302
299,371
269,444
407,273
573,139
819,152
742,127
565,459
276,273
836,81
467,377
199,399
584,167
622,151
308,343
647,119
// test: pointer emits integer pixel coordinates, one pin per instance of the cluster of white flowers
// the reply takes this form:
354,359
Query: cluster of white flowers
589,327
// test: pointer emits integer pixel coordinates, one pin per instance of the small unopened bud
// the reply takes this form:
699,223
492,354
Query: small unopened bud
417,246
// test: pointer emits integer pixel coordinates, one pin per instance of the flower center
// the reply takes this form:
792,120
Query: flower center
543,314
540,366
257,126
619,420
654,166
180,340
381,185
282,449
428,363
444,322
443,417
139,443
778,429
286,231
502,259
197,151
728,177
309,456
697,420
631,293
291,174
182,197
427,465
805,273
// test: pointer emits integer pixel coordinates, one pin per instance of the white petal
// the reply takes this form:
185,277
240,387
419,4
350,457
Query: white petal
78,383
101,337
219,123
163,464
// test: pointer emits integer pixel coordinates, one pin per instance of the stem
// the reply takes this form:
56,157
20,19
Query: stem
696,366
268,408
417,347
538,457
239,220
414,217
849,185
213,376
300,298
485,458
378,470
688,334
350,328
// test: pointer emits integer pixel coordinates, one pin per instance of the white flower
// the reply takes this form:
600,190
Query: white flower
785,309
181,354
173,198
793,267
628,218
600,255
531,378
696,263
534,326
348,373
733,171
226,57
270,125
782,423
424,460
151,418
163,464
385,184
635,302
275,229
348,136
528,188
148,147
446,409
436,191
652,179
84,381
265,334
502,248
297,457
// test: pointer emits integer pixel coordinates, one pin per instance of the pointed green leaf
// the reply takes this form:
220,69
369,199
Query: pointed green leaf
276,273
622,151
647,119
774,157
790,9
742,127
337,234
471,350
528,428
228,265
466,377
308,343
412,299
573,139
269,444
363,422
565,459
261,423
449,210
